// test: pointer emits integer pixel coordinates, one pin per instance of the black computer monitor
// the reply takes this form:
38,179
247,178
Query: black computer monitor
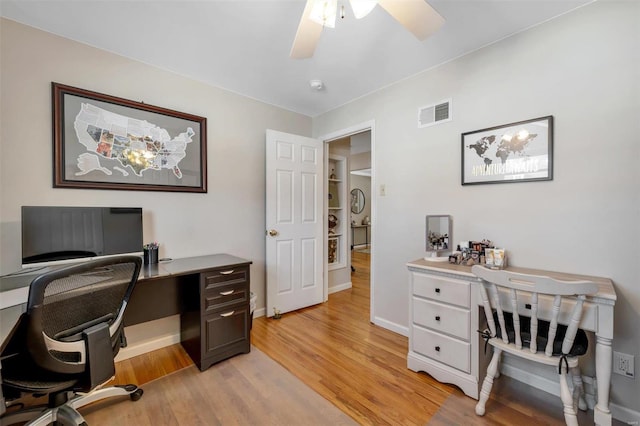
62,234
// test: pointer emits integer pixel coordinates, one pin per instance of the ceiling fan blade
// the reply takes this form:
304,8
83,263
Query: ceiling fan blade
307,35
415,15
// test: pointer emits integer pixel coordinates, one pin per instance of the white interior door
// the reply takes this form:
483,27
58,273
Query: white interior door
294,237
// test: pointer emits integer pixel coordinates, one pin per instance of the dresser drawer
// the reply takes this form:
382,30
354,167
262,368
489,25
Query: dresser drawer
442,289
442,318
446,350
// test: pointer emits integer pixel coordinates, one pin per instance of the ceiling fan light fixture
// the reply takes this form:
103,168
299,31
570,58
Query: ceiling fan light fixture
362,8
324,12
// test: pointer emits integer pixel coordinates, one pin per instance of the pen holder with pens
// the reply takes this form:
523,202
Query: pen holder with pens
150,252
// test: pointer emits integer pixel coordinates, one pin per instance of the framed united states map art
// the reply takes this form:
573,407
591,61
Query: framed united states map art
105,142
515,152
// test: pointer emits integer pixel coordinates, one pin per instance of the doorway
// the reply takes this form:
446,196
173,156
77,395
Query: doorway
356,144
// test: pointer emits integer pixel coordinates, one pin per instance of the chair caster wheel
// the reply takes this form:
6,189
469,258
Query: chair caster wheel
136,395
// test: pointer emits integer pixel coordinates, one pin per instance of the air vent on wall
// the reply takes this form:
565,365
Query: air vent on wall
434,114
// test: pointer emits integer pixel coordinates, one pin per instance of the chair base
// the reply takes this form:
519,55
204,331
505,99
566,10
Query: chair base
67,413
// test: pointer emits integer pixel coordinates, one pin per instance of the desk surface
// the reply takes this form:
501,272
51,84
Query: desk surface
606,291
14,289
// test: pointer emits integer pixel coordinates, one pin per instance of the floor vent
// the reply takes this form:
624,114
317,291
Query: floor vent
434,114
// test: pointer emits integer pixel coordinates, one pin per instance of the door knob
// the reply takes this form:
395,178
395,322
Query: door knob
273,232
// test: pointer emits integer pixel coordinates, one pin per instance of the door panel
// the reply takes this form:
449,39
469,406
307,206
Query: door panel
294,241
309,253
284,277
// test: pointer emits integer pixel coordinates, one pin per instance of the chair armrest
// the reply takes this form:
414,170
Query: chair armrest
100,365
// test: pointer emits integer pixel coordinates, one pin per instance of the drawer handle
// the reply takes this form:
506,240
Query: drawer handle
227,314
437,290
437,348
226,272
226,293
437,317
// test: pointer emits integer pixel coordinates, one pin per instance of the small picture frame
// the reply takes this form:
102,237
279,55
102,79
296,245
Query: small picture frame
515,152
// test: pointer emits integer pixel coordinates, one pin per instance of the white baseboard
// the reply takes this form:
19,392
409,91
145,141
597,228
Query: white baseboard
257,313
530,379
339,287
147,346
627,415
396,328
618,412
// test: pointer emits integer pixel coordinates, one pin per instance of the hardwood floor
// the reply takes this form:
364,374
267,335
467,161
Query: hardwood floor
362,368
359,367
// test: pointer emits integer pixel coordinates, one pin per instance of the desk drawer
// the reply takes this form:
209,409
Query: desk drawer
588,321
446,350
442,318
224,287
223,276
442,289
225,328
222,296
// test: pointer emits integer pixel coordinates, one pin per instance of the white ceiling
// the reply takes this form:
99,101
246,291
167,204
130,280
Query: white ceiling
243,46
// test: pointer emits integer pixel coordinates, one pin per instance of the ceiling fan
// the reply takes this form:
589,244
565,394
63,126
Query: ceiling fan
416,16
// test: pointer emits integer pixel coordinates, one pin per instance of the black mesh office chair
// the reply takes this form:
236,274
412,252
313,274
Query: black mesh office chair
63,346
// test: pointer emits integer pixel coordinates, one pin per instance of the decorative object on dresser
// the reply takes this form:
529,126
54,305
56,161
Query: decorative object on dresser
516,152
105,142
438,230
531,338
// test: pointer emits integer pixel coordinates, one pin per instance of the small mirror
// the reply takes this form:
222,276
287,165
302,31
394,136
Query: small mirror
438,233
357,200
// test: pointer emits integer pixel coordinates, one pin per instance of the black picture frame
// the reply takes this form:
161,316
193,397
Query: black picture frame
514,152
105,142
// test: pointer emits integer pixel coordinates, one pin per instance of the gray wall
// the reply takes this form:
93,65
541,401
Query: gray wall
229,218
582,68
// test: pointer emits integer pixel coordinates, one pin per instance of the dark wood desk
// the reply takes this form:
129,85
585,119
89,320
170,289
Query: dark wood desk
211,294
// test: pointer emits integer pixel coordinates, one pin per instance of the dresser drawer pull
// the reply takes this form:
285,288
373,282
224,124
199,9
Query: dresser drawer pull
437,317
226,272
437,290
437,348
227,314
226,293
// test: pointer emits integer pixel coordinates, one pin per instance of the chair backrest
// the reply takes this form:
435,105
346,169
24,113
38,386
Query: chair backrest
64,303
514,284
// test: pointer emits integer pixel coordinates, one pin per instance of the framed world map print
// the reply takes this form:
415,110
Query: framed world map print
104,142
516,152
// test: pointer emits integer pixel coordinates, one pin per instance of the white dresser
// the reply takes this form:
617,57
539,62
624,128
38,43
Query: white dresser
443,324
442,334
